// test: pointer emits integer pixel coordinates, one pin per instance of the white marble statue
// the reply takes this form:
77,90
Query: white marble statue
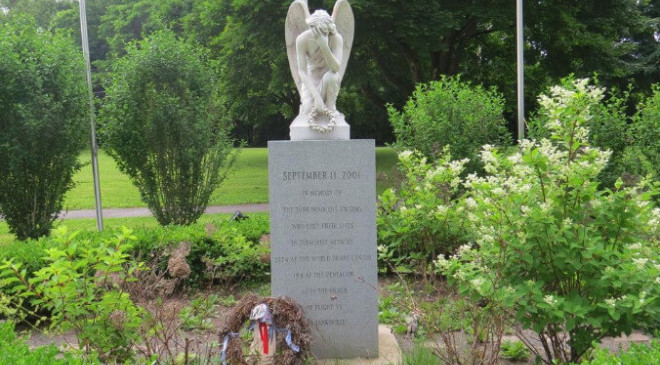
318,46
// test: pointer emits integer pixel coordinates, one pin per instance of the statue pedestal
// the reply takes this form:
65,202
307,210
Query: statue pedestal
300,130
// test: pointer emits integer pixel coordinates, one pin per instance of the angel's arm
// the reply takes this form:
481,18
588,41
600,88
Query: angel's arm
332,49
302,71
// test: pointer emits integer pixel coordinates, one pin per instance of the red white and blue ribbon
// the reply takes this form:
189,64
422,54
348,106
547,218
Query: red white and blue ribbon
225,342
262,316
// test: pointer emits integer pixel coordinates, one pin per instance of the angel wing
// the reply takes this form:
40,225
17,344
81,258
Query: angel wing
295,24
342,14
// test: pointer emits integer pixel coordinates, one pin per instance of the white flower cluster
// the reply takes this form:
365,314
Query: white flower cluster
555,155
640,263
491,164
525,210
612,302
642,298
448,171
441,263
405,155
519,168
654,222
550,300
485,239
561,98
477,283
463,249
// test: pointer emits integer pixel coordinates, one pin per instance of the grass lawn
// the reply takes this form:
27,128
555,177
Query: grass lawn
246,183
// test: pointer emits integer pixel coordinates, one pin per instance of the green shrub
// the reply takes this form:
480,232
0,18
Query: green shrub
29,253
199,315
421,220
234,258
253,228
393,304
15,351
43,124
561,254
225,251
234,246
161,127
81,286
450,112
514,351
637,354
468,332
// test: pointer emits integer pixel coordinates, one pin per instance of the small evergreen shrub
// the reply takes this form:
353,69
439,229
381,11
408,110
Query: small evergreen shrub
43,124
161,126
451,113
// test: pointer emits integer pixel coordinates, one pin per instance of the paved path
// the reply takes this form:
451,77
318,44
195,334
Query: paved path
144,212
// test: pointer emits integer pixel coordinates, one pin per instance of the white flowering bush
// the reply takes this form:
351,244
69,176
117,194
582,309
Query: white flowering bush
571,262
422,220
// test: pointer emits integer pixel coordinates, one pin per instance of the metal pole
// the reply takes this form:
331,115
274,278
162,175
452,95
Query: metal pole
521,69
95,147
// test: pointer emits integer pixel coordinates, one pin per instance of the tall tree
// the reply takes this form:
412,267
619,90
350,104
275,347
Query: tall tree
591,36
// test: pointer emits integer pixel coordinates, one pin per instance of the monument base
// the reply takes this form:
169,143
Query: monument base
323,240
300,130
389,352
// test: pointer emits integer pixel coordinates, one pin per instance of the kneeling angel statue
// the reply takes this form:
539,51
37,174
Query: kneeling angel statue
318,47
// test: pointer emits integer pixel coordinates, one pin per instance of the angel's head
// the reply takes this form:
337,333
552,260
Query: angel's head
323,21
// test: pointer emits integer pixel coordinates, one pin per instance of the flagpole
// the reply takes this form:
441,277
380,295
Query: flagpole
521,69
95,148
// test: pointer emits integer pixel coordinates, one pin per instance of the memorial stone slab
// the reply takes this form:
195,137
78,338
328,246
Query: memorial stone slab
323,240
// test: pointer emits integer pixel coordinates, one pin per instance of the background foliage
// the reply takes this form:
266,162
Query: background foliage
391,54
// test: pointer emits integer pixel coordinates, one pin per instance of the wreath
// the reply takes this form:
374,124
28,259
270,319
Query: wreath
323,128
280,317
